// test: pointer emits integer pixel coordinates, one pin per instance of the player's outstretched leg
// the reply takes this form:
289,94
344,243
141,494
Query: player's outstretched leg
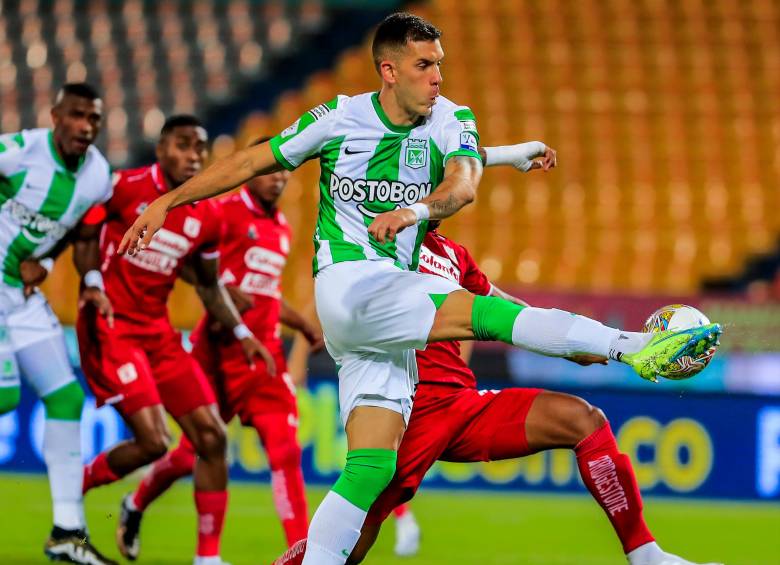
558,420
373,437
284,457
177,463
556,333
407,532
207,433
149,443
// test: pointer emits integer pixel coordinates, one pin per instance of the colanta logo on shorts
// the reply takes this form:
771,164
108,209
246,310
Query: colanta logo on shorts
366,191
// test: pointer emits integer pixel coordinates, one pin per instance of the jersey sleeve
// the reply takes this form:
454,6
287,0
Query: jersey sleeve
11,153
472,277
460,135
306,136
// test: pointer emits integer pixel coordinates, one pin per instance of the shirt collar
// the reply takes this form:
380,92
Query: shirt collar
158,178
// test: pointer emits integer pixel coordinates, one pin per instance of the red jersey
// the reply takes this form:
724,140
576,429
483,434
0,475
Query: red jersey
253,253
139,285
441,362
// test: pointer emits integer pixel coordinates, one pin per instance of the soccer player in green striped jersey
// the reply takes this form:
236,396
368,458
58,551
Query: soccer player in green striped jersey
390,161
48,180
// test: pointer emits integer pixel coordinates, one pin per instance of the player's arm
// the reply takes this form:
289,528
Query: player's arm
223,175
86,259
522,156
459,187
204,273
293,319
495,291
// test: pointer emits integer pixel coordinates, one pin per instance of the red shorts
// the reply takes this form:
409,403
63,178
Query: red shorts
131,367
240,390
456,424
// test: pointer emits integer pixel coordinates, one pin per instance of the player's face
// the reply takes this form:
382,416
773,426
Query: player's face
418,76
182,152
77,123
268,188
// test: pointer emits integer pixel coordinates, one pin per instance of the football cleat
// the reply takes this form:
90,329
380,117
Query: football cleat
73,546
407,536
675,354
128,531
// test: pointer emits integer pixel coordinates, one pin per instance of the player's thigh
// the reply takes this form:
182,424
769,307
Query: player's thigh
558,420
278,432
180,380
373,306
497,427
36,336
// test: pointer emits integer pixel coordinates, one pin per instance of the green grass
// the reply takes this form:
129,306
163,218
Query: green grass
458,527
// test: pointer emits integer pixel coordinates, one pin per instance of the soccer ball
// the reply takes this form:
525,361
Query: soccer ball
678,317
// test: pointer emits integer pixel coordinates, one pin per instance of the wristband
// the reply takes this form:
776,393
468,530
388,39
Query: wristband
420,210
242,332
94,279
47,263
520,155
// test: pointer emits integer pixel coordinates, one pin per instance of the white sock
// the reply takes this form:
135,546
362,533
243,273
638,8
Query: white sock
557,333
62,453
211,560
645,554
334,531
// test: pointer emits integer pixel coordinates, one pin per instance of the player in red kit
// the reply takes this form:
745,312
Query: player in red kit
454,421
138,364
253,251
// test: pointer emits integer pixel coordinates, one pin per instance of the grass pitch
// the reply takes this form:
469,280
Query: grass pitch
458,527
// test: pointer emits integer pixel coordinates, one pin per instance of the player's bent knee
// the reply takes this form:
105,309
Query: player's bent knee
154,446
9,398
365,476
65,403
211,441
590,419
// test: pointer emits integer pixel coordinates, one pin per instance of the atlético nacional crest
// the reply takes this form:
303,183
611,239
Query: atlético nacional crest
416,153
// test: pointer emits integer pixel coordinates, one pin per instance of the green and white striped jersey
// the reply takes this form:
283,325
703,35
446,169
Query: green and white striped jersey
40,199
369,166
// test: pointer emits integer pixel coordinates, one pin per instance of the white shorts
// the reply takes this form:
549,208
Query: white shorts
374,315
31,338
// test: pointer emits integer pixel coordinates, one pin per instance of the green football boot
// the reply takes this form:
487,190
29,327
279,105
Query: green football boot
675,354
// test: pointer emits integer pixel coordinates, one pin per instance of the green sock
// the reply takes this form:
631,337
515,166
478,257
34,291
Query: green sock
492,318
9,398
365,476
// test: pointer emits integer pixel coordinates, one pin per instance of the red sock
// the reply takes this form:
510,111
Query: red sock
97,473
284,458
211,506
610,479
294,555
401,510
176,464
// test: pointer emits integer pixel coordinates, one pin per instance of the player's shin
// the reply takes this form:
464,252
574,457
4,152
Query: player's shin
62,454
609,477
335,527
551,332
176,464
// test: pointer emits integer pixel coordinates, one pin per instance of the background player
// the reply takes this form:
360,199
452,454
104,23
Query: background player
48,180
139,366
253,250
391,161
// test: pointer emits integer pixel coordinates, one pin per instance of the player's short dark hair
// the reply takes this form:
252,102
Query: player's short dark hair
80,89
399,28
180,120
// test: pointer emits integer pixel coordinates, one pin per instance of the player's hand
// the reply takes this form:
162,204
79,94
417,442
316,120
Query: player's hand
253,349
241,299
549,160
140,234
96,297
587,359
314,337
33,274
387,224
